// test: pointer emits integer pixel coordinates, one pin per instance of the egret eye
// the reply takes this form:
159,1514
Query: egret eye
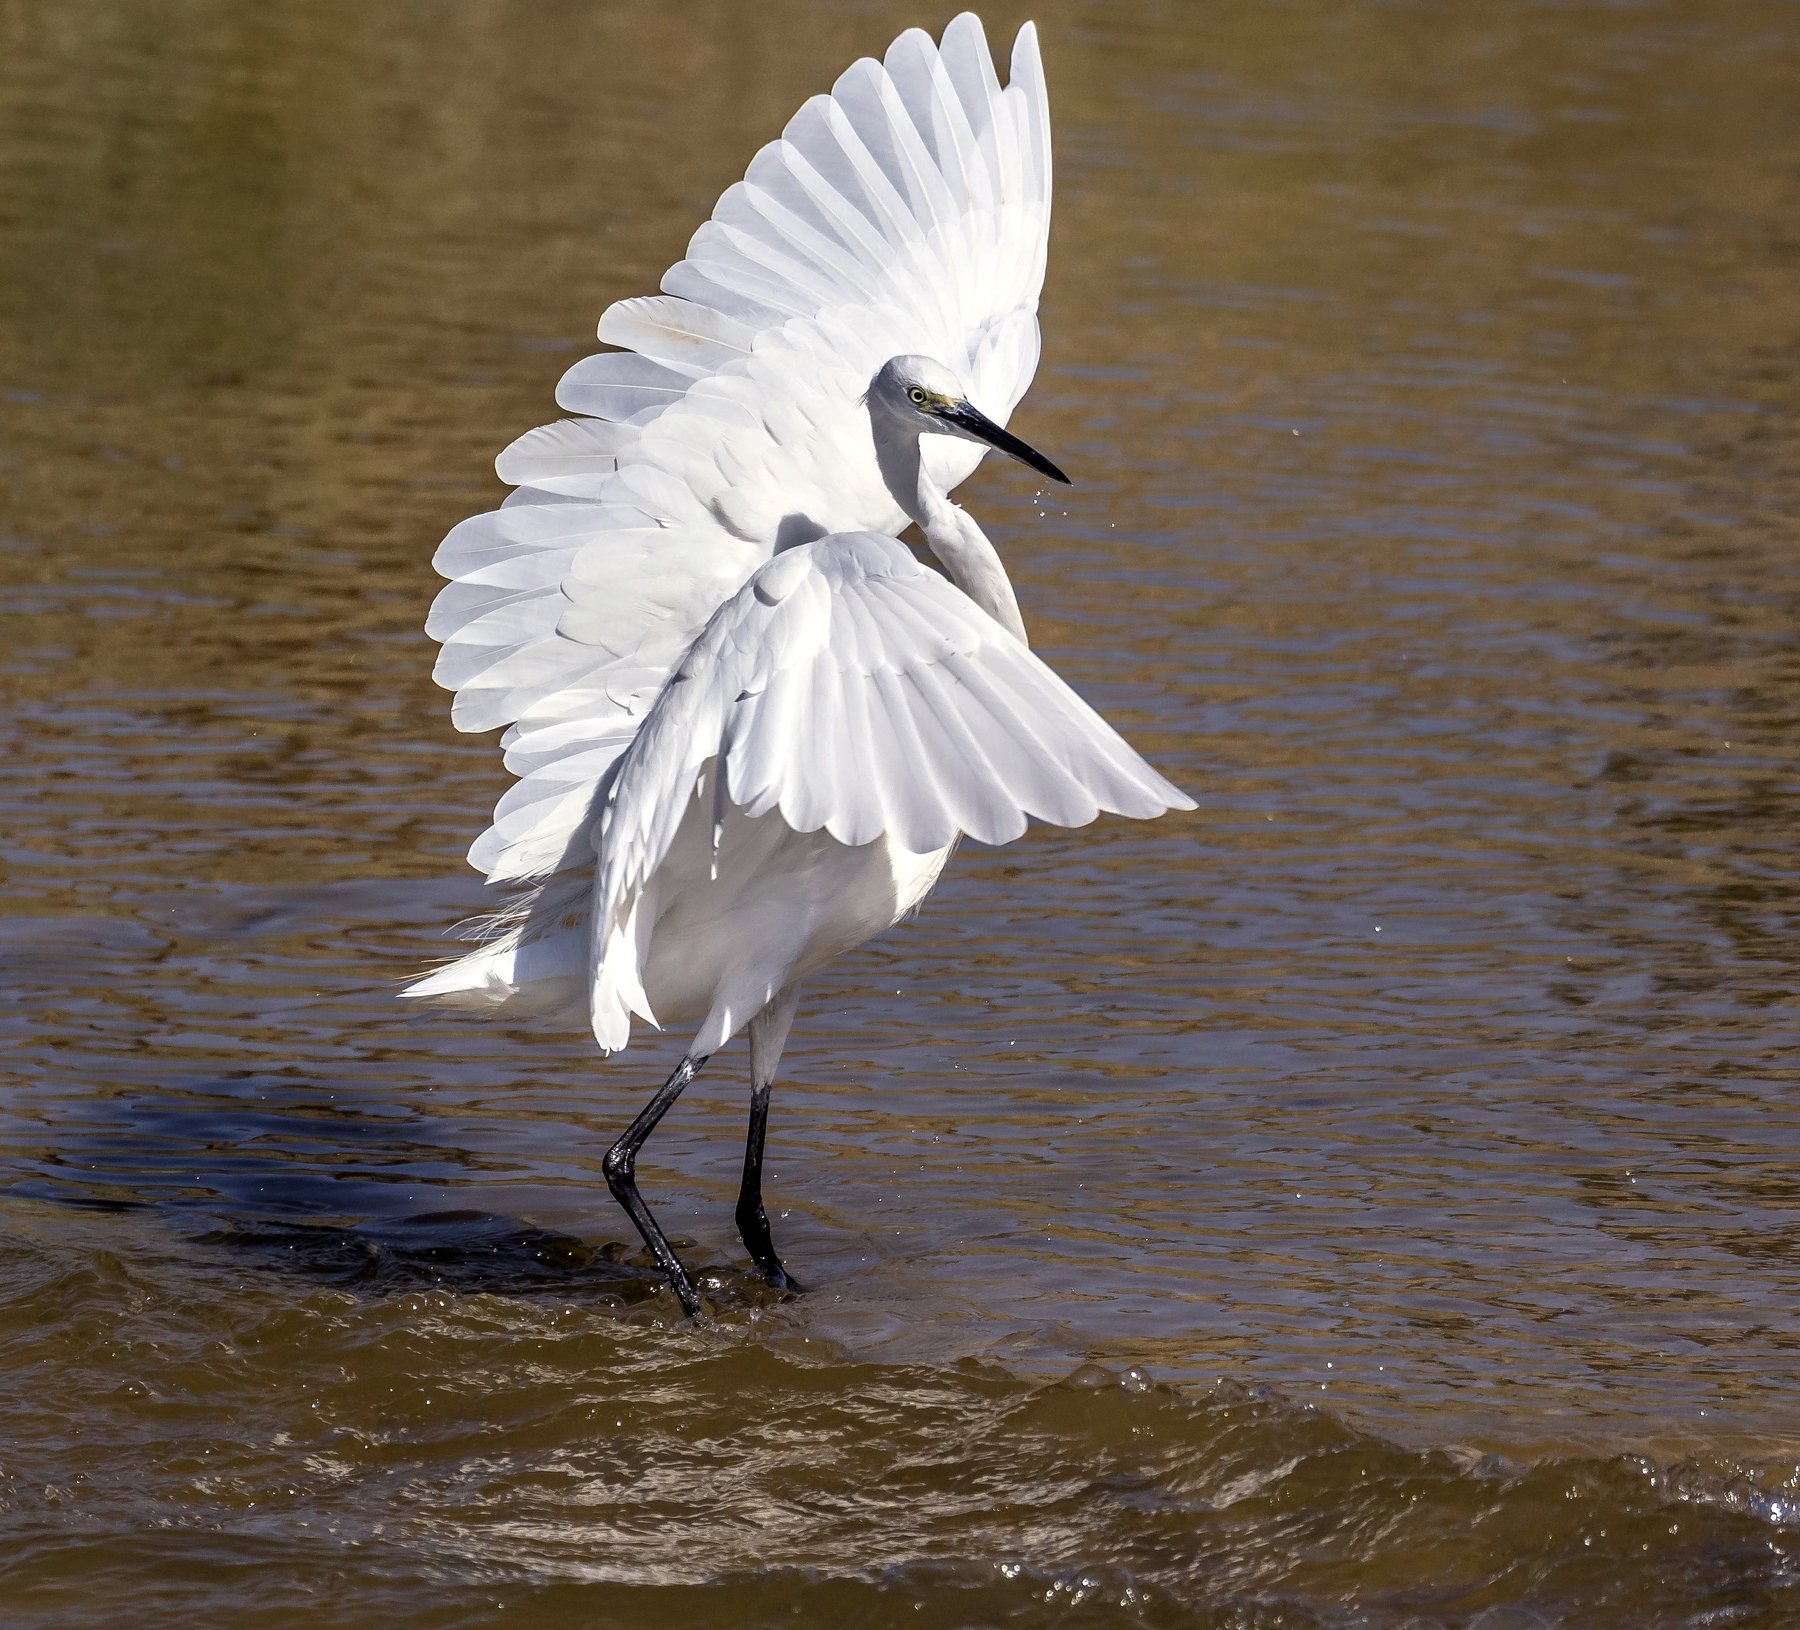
917,395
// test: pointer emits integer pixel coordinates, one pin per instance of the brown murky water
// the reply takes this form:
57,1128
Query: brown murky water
1368,1201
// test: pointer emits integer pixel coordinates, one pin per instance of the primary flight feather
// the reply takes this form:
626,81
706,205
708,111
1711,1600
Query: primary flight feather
748,724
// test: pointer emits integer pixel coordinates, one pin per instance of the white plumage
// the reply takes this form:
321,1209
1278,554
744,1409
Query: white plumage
748,724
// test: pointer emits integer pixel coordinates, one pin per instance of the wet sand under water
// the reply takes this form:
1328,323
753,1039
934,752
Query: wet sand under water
1367,1201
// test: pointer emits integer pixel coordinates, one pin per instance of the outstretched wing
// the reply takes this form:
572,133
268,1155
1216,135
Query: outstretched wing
906,212
855,690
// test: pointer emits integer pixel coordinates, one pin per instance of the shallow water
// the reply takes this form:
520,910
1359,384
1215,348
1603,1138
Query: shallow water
1369,1200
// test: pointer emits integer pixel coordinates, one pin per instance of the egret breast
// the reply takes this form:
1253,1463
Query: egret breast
771,905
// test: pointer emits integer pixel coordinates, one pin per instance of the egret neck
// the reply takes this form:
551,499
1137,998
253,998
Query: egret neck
969,560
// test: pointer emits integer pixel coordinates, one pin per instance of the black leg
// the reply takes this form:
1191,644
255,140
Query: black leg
768,1035
620,1166
752,1220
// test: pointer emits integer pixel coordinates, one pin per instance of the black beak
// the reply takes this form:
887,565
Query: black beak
979,425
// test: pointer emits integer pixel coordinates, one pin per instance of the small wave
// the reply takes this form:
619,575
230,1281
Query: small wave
552,1445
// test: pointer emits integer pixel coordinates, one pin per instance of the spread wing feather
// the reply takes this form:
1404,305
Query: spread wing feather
908,211
920,716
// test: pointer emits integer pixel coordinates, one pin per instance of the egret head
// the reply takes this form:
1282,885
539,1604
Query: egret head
925,397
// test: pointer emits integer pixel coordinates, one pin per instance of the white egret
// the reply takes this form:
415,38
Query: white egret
748,724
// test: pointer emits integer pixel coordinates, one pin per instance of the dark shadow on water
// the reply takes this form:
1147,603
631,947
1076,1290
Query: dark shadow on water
348,1194
465,1251
477,1253
242,1147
